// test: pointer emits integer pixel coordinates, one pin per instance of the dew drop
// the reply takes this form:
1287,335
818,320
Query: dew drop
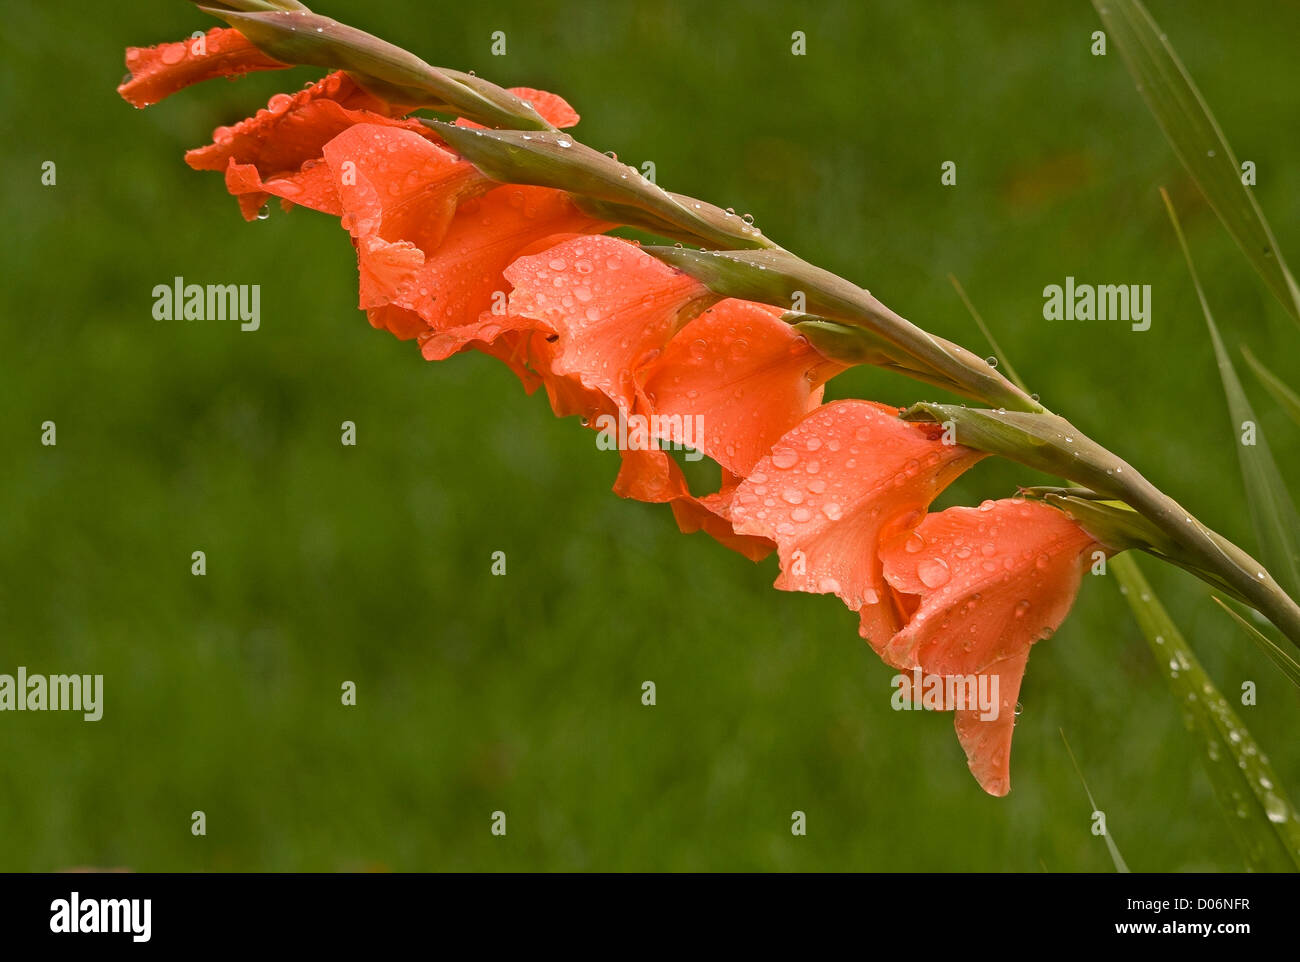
1276,809
933,573
784,458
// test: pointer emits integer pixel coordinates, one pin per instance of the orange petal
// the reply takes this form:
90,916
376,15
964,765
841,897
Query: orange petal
712,515
567,395
535,353
989,582
553,108
158,72
313,187
463,276
653,476
987,742
397,185
399,193
611,305
748,375
849,473
649,475
284,143
490,327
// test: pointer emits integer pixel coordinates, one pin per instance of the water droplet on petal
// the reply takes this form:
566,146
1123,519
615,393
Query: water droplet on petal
933,573
784,458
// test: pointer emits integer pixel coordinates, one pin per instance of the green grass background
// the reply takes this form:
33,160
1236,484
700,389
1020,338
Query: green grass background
522,693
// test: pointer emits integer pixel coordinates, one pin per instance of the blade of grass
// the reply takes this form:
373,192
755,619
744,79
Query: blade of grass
1278,656
1272,511
1197,139
1261,816
1120,865
1286,398
1012,376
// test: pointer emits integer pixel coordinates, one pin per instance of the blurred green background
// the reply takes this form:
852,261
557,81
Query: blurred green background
477,693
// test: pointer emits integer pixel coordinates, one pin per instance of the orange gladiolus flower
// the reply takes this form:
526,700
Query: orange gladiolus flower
432,235
849,475
982,585
747,373
158,72
610,307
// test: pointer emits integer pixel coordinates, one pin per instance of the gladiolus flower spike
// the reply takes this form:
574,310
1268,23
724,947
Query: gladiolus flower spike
488,232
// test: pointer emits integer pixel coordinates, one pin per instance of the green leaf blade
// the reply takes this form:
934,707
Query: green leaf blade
1116,858
1262,818
1272,512
1279,656
1197,139
1286,398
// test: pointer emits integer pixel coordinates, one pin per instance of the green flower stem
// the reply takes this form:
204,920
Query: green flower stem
843,320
